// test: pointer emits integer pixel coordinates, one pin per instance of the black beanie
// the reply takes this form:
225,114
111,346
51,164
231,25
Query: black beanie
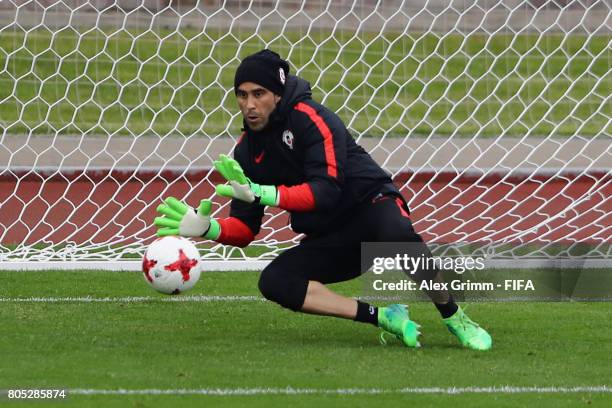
265,68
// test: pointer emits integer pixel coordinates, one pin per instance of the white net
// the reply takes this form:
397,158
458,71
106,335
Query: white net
493,116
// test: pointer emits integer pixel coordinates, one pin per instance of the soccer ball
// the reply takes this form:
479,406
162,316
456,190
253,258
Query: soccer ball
172,265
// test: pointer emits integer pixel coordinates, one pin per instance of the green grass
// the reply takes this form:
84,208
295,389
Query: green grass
133,83
244,344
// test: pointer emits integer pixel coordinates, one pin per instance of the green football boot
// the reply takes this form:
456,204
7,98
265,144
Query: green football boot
394,319
469,333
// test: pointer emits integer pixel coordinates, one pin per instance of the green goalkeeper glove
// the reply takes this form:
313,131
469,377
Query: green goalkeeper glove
180,219
241,187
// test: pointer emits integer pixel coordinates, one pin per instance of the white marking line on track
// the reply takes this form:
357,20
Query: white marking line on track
348,391
130,299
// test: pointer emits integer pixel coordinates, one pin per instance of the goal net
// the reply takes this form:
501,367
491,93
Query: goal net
492,116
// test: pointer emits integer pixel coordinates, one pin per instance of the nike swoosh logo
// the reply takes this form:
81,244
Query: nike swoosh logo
259,158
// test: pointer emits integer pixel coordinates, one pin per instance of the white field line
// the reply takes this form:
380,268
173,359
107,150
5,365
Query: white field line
130,299
258,265
213,298
179,299
506,389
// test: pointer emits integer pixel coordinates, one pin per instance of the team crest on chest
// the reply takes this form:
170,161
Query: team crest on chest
288,138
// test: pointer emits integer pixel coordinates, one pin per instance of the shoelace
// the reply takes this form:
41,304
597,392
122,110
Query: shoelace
383,333
382,338
464,320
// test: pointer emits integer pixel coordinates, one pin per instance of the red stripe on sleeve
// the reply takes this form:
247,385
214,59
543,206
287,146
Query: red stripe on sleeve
296,198
330,155
234,232
400,204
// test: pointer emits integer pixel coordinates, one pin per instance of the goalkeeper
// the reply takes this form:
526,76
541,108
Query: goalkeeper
297,155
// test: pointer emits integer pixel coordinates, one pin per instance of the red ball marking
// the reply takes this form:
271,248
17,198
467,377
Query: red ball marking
146,267
183,264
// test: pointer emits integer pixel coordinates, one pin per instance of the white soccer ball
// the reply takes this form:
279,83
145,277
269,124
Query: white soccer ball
172,265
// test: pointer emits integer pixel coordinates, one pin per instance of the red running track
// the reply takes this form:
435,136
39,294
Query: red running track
118,207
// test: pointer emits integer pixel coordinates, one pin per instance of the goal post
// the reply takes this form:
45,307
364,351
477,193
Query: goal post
494,118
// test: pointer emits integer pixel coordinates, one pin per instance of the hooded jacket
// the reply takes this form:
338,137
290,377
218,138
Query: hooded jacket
305,150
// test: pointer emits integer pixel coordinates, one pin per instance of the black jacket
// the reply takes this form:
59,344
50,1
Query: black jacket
306,142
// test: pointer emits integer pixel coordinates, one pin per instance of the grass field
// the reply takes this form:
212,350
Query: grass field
240,342
133,83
